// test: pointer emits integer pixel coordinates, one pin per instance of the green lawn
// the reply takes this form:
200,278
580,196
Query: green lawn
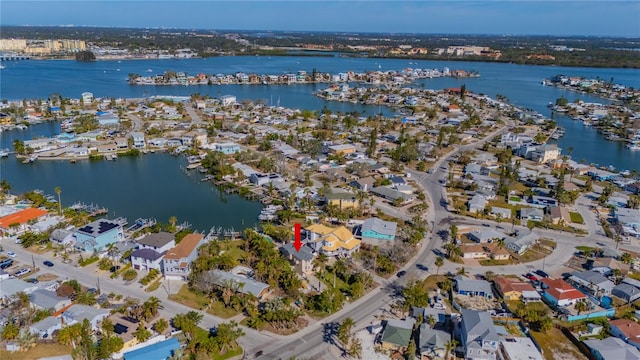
492,262
576,218
199,302
234,248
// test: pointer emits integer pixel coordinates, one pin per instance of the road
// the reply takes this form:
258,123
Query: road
89,277
195,119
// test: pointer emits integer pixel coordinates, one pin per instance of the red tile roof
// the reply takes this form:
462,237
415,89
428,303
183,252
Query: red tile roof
561,290
21,217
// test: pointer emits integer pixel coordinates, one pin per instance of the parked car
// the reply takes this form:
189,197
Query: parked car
531,277
32,280
21,272
542,273
401,273
48,263
114,268
11,254
6,263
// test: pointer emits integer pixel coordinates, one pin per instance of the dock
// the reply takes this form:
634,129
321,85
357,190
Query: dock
92,210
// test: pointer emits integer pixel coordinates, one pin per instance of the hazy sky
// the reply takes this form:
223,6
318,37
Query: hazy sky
552,17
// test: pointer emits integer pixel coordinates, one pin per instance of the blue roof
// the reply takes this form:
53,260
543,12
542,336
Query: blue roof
158,351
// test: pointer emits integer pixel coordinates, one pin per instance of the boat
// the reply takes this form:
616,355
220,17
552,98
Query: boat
30,159
633,146
149,70
73,161
2,67
21,127
193,166
4,153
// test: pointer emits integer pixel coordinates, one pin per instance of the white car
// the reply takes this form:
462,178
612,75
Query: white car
22,272
11,254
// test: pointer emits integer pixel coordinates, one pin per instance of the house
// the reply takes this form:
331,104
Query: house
376,231
486,235
363,184
397,334
19,221
612,348
592,281
629,220
393,194
478,334
46,300
342,149
511,288
628,290
62,236
227,148
342,199
531,214
439,314
12,286
241,278
176,263
146,259
474,251
302,260
87,97
97,235
627,330
606,266
503,213
476,204
227,100
160,242
46,327
138,140
431,343
521,242
332,241
162,350
264,179
559,215
77,313
559,293
472,287
519,348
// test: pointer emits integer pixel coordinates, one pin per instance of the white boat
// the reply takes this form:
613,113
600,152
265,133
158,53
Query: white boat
2,67
4,153
633,146
21,127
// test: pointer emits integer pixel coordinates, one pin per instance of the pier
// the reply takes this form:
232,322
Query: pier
91,209
13,56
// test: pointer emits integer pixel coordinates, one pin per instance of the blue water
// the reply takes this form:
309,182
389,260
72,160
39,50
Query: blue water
521,84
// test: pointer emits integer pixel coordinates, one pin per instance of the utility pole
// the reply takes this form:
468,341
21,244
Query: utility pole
33,261
99,292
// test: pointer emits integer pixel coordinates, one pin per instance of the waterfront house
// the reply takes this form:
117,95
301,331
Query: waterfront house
146,259
612,348
46,327
513,288
97,235
160,242
478,334
18,222
559,293
302,260
259,179
377,231
627,330
121,143
46,300
241,278
177,261
431,343
77,313
227,148
162,350
87,97
227,100
332,241
138,140
472,287
521,242
397,334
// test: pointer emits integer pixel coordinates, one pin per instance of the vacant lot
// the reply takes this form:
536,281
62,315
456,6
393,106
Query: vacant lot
36,352
556,346
201,302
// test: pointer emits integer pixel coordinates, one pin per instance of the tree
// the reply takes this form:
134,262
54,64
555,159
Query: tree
151,307
58,192
449,346
160,326
581,306
453,232
142,334
431,320
439,262
411,350
10,331
226,335
355,350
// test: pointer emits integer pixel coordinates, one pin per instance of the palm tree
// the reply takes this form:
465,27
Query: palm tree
450,345
581,306
142,334
462,271
431,320
58,192
151,307
439,262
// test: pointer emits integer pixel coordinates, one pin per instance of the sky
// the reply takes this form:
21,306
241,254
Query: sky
509,17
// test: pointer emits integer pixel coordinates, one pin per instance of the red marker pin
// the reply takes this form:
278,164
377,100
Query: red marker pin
297,242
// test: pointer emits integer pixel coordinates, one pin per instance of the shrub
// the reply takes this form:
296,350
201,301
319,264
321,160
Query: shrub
129,275
104,264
